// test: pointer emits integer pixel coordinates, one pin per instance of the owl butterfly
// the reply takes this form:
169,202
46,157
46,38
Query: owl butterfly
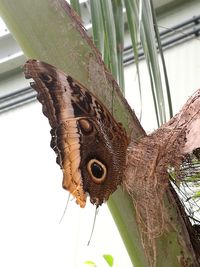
90,145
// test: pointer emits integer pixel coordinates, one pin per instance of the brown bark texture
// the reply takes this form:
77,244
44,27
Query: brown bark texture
147,179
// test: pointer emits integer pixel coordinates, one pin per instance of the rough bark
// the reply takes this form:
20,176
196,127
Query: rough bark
147,180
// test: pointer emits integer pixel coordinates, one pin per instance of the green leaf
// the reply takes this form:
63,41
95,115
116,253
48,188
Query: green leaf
134,33
110,36
109,259
90,264
162,59
140,18
97,25
76,6
150,49
119,28
196,195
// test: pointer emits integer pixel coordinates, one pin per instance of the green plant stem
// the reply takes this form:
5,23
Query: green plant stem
97,25
119,28
110,36
163,60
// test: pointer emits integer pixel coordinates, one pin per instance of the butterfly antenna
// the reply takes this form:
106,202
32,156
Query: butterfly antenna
65,209
95,216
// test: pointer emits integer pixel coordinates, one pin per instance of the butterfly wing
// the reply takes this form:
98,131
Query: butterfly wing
90,145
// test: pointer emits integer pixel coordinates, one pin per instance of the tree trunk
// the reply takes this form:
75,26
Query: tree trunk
155,201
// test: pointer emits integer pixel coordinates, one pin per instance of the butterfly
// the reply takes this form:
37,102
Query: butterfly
90,145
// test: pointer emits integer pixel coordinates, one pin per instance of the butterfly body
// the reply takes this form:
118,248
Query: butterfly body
90,145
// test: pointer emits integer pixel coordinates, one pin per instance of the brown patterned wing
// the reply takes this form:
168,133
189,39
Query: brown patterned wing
90,145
